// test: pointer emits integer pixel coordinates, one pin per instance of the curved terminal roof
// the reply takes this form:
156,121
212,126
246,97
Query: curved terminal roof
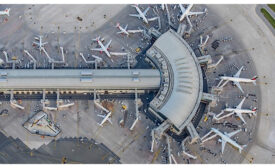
19,79
181,88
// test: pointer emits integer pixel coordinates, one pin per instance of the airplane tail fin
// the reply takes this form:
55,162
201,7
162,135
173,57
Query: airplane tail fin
97,38
8,11
254,110
117,25
240,150
254,79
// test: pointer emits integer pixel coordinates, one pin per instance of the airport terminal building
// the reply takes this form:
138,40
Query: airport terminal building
177,77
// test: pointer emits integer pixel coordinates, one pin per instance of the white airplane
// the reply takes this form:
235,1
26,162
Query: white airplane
239,111
236,80
5,12
224,138
142,14
105,118
40,43
186,13
102,47
125,31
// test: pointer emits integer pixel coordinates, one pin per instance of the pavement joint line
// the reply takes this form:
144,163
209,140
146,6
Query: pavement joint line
156,154
4,132
131,142
3,154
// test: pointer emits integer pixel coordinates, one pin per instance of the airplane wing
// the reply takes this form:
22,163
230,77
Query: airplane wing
126,27
135,15
239,72
223,144
120,32
134,31
204,139
36,43
102,116
97,38
241,117
239,86
146,10
233,133
241,103
152,19
97,49
107,45
195,13
182,8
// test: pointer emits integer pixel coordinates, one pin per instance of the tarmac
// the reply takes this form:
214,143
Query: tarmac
254,33
252,46
65,150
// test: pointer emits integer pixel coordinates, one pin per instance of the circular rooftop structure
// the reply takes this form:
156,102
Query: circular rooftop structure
181,80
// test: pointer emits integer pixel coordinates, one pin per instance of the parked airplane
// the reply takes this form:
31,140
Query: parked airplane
125,31
141,14
239,111
186,13
5,12
102,47
105,118
224,138
40,43
236,80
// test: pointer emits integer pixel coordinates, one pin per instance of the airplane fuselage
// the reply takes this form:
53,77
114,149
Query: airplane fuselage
40,42
103,48
5,12
141,15
105,119
234,79
227,138
239,110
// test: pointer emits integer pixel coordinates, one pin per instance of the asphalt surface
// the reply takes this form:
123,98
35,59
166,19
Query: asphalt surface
214,25
68,150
